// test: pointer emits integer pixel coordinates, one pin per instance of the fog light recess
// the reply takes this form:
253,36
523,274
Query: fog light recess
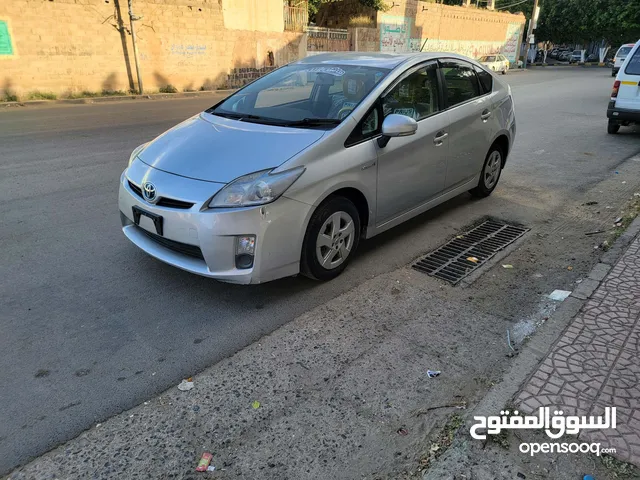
245,250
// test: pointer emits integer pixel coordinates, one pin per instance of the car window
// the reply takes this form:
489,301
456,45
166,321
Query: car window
488,58
302,91
486,80
633,67
415,96
623,51
461,83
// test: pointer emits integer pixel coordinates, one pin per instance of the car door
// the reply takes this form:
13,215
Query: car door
629,90
471,128
412,169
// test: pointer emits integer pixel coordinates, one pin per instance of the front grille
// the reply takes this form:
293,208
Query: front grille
137,190
163,202
173,203
451,261
184,248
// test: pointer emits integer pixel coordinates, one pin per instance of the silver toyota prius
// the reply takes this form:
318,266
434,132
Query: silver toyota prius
289,173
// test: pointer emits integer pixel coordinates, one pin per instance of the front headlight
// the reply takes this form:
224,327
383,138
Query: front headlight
136,152
256,188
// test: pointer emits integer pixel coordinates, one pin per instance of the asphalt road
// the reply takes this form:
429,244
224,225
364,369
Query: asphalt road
91,326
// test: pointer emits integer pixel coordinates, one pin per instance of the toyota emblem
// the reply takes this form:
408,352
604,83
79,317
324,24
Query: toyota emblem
149,191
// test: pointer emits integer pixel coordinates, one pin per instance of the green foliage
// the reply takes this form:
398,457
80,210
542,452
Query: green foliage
37,95
375,4
168,89
581,21
314,6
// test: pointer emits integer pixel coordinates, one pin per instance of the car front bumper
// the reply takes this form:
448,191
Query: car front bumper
203,241
622,114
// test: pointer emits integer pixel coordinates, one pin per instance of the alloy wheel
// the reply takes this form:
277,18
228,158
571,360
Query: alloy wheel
335,240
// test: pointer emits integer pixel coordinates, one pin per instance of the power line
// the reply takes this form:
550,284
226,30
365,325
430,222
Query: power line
512,5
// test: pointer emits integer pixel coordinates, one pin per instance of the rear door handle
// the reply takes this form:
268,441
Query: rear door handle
485,115
440,136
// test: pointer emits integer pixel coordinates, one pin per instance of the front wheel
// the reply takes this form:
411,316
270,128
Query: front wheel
613,127
490,173
331,239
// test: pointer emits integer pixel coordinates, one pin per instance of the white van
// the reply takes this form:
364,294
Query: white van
624,107
619,58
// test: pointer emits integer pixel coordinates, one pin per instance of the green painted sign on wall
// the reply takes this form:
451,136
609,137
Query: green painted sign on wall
5,39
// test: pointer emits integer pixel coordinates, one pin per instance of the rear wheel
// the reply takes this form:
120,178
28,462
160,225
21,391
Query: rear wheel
613,127
490,173
331,239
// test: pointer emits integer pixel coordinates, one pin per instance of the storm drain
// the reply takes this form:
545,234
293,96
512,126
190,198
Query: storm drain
465,253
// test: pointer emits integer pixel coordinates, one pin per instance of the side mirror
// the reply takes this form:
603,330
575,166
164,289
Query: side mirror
395,125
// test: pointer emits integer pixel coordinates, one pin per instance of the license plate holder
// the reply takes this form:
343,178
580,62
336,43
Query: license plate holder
155,218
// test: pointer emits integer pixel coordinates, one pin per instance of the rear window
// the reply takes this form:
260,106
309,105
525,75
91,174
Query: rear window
623,51
633,66
577,52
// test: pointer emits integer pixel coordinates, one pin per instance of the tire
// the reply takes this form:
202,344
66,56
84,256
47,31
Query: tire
341,243
504,72
613,127
490,175
613,74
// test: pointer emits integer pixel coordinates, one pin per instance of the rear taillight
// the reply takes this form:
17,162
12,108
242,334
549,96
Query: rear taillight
616,87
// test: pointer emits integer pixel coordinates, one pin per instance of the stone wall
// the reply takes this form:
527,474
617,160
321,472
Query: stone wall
70,46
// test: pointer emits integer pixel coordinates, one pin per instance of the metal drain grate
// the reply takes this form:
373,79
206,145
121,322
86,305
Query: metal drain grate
450,263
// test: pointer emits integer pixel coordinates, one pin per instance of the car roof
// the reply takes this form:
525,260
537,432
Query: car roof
375,59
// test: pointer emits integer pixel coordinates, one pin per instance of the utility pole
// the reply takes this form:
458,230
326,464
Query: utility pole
133,18
532,25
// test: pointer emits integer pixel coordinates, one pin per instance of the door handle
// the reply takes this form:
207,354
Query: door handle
437,140
485,115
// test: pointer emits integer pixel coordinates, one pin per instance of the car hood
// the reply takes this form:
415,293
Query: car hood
216,149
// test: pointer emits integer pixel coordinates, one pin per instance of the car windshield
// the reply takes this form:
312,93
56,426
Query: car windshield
623,51
304,95
488,58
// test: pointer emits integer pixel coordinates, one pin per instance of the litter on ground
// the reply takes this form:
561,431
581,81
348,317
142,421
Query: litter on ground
559,295
185,385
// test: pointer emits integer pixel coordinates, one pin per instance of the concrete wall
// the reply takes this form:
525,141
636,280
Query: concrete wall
65,46
411,24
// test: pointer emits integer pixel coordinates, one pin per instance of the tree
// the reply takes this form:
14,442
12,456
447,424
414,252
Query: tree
314,6
583,21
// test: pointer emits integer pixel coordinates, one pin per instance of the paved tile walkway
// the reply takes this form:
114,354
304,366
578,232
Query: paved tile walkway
596,362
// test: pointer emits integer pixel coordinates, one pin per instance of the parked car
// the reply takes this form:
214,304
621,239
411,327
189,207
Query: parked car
576,56
497,63
592,58
564,56
619,58
554,53
624,107
274,181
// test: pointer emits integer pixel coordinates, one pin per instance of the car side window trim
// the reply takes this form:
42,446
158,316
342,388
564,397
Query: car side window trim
441,64
410,71
378,103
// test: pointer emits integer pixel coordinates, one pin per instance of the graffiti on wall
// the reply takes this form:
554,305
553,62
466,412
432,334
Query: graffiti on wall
510,49
469,48
394,34
6,48
188,50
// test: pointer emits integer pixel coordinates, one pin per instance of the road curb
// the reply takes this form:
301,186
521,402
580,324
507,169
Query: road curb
115,98
537,348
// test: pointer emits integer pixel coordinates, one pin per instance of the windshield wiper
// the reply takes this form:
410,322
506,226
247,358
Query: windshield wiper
246,117
312,122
